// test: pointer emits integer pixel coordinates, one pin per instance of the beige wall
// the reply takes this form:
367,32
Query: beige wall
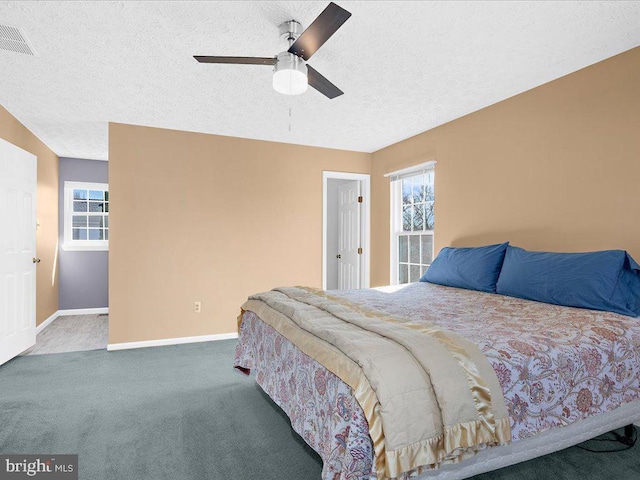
209,218
555,168
46,212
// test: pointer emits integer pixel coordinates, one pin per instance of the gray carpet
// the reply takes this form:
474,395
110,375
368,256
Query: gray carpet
73,333
183,413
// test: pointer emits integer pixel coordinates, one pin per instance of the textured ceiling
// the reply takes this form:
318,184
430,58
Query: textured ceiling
405,67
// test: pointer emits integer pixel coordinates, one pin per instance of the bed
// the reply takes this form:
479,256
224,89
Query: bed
565,375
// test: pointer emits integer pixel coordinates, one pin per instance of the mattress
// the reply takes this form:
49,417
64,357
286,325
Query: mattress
570,408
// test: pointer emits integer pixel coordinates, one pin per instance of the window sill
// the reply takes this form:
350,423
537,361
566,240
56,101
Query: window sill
85,248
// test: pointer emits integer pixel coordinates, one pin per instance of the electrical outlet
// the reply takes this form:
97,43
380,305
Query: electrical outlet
197,307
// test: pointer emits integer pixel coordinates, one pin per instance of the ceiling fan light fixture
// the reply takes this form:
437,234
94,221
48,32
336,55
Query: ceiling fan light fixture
290,74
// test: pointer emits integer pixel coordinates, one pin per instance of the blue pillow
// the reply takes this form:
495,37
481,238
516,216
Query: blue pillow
608,280
474,268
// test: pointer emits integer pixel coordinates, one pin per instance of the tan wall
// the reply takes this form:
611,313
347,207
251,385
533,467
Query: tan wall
555,168
14,132
209,218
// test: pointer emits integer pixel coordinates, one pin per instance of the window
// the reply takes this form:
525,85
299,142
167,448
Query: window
412,222
86,216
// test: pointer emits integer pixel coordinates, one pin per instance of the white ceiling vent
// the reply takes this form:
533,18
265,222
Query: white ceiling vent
13,40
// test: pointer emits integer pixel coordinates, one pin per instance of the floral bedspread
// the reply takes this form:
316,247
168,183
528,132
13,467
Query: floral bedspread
321,407
555,365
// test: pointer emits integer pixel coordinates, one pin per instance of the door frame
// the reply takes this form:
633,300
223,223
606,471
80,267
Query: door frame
365,223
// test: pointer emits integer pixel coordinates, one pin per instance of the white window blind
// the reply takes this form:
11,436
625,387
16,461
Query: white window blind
412,171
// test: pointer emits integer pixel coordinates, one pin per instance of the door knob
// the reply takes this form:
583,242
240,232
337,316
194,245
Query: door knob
35,260
338,256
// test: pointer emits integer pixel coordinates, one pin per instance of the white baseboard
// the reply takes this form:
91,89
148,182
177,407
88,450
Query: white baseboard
83,311
46,323
170,341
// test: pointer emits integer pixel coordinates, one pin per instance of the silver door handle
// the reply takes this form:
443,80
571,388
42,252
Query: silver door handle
338,256
35,260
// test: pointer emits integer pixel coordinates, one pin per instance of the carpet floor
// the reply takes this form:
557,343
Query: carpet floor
74,333
182,413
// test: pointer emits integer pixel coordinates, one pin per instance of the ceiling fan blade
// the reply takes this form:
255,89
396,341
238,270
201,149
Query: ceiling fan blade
321,84
237,60
330,20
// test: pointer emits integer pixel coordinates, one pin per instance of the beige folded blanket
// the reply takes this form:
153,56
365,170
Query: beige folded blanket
430,397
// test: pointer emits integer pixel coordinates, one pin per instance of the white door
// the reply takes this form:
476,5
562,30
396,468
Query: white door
18,180
349,235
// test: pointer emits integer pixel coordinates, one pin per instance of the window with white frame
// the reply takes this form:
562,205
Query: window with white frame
86,216
412,222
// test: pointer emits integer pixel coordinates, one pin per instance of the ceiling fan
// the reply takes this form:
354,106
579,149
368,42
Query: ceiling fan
291,73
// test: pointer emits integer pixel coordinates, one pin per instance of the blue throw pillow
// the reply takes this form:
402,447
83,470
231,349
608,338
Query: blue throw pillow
474,268
608,280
